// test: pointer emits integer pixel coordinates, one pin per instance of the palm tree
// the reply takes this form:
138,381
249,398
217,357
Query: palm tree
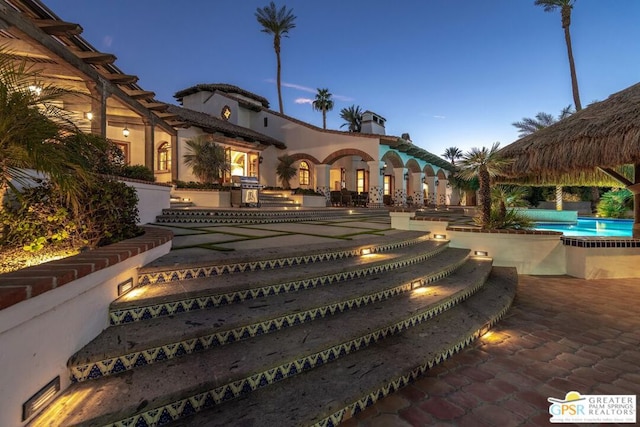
34,134
206,159
324,103
529,125
285,170
565,11
352,117
277,22
452,154
484,164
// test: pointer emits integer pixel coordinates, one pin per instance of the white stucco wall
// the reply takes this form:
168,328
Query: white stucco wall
40,334
151,200
602,263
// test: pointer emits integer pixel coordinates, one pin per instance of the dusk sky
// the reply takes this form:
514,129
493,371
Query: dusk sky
450,73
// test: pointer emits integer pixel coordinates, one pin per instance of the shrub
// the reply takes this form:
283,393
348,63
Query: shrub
42,217
615,203
200,185
139,172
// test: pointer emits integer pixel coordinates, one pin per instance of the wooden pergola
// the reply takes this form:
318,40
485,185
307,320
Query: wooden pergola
599,145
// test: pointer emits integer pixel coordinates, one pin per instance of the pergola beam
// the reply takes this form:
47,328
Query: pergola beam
58,28
615,175
96,58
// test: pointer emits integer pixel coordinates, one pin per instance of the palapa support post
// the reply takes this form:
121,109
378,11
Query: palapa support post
635,189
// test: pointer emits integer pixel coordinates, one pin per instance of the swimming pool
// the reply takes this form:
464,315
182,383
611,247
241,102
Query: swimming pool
591,227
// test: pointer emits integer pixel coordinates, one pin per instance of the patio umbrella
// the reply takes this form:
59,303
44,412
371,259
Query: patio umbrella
594,146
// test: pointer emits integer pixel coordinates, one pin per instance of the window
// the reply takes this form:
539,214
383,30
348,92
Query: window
387,185
360,181
304,173
266,121
124,147
164,156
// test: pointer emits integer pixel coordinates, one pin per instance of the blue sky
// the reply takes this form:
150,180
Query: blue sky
450,73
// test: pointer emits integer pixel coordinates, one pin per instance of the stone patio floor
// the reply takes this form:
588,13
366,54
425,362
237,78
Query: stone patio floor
562,334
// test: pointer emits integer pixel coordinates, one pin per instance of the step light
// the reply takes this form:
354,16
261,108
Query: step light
481,253
41,398
365,251
440,236
416,284
125,286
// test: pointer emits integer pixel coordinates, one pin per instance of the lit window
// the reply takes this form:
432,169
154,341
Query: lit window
304,173
164,156
387,185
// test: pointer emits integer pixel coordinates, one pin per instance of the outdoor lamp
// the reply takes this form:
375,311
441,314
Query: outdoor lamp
406,176
88,115
125,131
384,166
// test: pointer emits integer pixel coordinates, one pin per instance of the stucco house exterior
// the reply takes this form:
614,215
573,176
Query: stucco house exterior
384,169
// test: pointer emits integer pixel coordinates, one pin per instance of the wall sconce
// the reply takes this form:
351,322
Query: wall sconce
384,166
437,182
88,115
260,159
125,131
424,180
406,176
448,185
36,90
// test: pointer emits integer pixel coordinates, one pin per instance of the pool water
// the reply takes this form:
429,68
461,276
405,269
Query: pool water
591,227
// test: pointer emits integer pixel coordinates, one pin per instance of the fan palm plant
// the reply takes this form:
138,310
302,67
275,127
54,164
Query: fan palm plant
206,159
33,132
485,164
324,103
353,118
276,22
285,170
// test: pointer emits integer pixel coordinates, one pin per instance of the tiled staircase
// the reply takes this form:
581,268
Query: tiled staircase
303,336
259,216
273,199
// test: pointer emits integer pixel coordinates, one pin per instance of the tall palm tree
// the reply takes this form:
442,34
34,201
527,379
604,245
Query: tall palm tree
324,103
276,22
529,125
565,12
484,164
206,159
352,117
452,154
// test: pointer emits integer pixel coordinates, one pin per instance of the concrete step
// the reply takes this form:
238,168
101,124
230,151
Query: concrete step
157,393
128,346
172,267
333,393
169,298
261,215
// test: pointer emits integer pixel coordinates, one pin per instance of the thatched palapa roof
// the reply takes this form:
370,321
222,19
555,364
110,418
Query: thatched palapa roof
213,124
604,135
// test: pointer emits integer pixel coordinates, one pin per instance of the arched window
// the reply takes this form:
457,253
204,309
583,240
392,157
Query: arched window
164,156
303,173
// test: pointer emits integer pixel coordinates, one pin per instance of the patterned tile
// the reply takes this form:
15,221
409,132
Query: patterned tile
200,401
129,361
147,278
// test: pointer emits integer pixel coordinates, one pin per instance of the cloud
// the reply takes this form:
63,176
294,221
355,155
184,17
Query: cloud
107,41
303,101
439,117
309,90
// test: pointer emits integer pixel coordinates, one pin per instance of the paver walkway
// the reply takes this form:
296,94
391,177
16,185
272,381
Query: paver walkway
562,334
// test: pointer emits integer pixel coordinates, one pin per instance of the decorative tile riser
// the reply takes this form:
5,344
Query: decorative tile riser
188,406
149,356
359,406
235,220
251,213
244,267
134,314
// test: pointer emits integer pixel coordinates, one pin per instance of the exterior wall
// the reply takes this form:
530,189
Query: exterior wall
184,172
152,198
204,198
38,335
602,263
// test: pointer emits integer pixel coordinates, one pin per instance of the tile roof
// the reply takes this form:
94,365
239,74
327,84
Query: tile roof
221,87
213,124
